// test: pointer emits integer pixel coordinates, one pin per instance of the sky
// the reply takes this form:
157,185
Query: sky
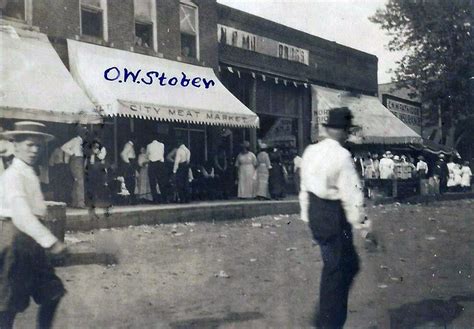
343,21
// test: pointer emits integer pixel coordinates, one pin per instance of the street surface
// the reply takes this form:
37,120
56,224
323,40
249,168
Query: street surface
264,273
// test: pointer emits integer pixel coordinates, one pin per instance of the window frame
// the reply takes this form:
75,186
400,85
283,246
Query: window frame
103,11
196,14
28,14
154,27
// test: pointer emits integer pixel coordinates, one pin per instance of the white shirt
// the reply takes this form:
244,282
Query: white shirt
99,155
128,152
386,168
21,200
328,171
74,147
155,151
182,155
421,165
297,162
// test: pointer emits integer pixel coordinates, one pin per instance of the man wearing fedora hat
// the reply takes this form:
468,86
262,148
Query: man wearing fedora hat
331,202
25,268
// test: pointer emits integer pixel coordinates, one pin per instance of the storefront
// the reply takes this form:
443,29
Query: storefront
153,98
376,125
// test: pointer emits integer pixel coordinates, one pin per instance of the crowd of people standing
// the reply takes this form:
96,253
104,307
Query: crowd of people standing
452,176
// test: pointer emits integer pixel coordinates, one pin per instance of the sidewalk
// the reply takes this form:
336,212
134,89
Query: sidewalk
121,216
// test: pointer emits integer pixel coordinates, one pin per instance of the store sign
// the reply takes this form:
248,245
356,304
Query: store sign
183,115
241,39
281,132
408,113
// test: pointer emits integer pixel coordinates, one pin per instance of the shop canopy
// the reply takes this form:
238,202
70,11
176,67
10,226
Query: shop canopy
430,146
35,84
375,123
122,83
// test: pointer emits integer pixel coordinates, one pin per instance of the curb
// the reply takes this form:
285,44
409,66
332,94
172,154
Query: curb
166,214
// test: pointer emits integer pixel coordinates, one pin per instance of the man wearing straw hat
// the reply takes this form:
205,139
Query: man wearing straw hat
25,268
331,202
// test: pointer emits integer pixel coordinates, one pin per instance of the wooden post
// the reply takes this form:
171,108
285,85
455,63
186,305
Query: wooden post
115,143
253,107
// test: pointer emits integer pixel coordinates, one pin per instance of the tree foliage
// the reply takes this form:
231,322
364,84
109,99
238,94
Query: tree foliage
436,38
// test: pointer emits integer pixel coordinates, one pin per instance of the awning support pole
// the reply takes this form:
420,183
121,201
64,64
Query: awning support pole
115,143
253,107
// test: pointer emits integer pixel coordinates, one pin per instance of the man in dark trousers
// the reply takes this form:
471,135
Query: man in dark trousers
25,268
128,165
331,201
181,171
441,172
156,169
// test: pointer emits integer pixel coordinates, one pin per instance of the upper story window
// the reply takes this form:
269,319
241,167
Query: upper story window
18,9
93,18
145,23
189,26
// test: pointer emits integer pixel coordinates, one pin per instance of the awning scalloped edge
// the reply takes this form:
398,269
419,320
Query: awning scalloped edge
138,116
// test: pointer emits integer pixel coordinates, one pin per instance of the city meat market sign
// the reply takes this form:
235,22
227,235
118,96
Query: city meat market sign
241,39
166,113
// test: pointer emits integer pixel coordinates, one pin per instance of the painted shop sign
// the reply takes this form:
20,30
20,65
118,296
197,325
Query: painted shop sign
180,114
410,114
245,40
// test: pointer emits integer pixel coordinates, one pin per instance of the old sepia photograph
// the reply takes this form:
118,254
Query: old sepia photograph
244,164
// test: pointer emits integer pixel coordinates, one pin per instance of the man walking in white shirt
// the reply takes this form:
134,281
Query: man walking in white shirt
156,169
74,149
331,202
25,269
181,171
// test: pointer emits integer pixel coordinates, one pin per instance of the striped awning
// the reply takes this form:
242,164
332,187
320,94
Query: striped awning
35,84
376,124
123,83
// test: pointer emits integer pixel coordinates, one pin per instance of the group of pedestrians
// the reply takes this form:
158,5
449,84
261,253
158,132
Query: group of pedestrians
263,176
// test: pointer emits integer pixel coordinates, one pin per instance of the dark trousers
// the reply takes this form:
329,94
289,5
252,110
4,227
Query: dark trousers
157,175
333,233
182,182
128,172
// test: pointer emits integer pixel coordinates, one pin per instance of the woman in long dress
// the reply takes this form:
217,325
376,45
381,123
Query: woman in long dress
466,174
263,173
143,189
451,183
278,175
246,162
457,177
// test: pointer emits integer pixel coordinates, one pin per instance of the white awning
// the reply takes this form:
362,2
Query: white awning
376,124
122,83
35,84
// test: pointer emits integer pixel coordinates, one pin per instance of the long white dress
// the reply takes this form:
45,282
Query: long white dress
246,163
263,173
451,166
466,176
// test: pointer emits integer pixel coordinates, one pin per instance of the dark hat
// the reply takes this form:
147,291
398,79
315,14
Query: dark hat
28,128
422,158
339,118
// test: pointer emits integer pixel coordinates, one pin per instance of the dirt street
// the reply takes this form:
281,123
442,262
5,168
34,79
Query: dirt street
264,273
